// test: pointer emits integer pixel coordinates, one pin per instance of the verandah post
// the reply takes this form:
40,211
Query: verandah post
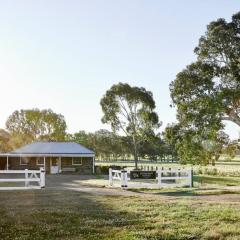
42,177
7,163
44,159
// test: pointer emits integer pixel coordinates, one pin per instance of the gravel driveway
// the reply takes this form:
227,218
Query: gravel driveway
78,183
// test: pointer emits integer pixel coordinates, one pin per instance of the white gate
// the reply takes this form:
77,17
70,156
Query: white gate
165,178
36,176
120,175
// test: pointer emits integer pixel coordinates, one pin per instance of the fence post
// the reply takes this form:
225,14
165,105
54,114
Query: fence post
159,177
124,179
42,177
110,177
128,173
26,178
191,177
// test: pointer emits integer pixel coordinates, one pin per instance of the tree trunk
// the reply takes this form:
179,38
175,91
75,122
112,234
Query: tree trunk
135,156
135,153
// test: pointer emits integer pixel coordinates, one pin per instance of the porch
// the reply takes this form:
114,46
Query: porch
52,165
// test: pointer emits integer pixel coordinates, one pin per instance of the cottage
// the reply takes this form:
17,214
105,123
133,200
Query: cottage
55,157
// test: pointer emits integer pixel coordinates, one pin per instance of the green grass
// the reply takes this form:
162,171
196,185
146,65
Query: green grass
217,180
51,214
186,192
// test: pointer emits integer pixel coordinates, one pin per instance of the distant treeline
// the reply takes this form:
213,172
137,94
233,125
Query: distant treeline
109,146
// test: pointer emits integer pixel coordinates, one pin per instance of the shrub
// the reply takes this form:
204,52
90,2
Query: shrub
105,169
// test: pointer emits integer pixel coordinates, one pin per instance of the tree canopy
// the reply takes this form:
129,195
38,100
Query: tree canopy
130,110
192,147
207,91
33,124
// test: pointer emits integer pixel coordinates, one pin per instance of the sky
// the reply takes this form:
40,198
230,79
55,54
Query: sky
65,54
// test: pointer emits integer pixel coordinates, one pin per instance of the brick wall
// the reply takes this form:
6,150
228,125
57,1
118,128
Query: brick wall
85,168
14,163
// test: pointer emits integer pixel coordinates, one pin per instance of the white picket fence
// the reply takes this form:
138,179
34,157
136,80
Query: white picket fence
184,176
34,176
165,178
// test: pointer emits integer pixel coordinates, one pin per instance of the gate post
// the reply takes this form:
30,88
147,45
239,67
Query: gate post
124,183
42,177
159,177
26,178
110,177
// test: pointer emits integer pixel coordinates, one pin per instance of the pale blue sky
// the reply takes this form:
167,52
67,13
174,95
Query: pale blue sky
64,55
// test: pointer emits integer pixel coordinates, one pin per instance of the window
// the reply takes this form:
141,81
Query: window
24,161
40,161
76,161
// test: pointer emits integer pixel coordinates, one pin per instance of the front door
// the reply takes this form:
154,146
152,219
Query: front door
54,165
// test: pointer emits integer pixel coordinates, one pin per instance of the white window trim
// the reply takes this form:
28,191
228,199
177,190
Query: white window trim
23,164
38,164
76,164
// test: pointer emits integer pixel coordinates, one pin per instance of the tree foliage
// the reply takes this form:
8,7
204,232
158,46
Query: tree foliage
130,110
207,91
108,145
5,144
28,125
192,147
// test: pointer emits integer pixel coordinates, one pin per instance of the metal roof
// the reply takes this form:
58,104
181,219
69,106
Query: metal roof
52,148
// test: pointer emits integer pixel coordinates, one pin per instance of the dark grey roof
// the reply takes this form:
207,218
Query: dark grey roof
51,148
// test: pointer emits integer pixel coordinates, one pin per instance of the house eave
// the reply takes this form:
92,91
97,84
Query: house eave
47,155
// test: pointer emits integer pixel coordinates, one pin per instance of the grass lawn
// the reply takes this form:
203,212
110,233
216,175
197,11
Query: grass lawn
57,214
216,180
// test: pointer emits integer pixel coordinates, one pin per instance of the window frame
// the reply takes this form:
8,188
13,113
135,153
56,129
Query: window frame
24,164
39,158
76,164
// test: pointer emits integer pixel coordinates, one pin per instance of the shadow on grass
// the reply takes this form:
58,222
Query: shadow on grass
186,192
58,214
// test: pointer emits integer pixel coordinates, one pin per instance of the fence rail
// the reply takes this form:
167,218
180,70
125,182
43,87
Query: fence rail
36,176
